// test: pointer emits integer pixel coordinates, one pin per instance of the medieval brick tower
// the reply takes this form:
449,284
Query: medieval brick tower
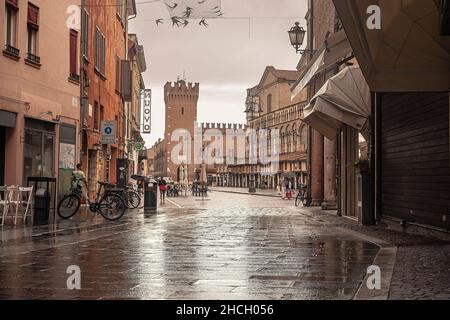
181,113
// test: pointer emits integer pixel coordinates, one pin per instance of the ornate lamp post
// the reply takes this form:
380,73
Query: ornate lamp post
297,35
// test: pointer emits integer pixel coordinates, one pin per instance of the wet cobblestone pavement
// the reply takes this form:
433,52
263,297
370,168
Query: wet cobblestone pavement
230,247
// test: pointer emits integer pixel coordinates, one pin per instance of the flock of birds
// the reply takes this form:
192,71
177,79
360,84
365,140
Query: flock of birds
187,14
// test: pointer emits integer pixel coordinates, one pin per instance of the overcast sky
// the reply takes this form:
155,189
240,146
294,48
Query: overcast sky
226,58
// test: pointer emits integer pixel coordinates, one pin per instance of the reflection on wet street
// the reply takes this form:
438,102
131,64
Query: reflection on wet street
230,247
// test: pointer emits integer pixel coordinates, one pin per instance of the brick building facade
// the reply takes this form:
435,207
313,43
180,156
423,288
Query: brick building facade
104,47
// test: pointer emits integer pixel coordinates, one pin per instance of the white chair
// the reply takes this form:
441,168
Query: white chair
19,201
5,201
8,192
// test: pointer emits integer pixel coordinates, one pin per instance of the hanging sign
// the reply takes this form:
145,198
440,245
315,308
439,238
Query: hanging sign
147,111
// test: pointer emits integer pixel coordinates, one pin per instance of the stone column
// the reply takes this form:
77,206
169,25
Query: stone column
317,168
329,175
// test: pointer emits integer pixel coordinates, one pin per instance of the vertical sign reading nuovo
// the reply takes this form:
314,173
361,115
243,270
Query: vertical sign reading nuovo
147,110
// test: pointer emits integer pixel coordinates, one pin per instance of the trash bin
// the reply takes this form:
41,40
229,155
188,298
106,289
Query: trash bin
42,201
150,197
150,193
44,194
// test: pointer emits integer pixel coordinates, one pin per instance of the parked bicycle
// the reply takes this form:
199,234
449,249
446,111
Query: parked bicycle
107,203
303,197
129,195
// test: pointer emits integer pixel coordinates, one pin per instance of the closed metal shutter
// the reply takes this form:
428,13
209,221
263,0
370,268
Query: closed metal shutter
415,161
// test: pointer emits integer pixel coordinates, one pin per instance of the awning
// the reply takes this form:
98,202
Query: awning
344,99
335,49
408,53
7,119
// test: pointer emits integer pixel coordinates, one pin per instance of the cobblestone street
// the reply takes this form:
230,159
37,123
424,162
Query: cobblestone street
230,246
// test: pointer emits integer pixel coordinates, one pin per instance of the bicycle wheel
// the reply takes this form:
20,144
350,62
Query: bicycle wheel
298,199
68,206
133,199
112,207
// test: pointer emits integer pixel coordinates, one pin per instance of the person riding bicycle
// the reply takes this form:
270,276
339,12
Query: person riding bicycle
80,181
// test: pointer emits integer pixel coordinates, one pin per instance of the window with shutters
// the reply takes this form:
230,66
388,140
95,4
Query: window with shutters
118,76
85,35
73,56
96,119
32,35
119,9
100,52
11,13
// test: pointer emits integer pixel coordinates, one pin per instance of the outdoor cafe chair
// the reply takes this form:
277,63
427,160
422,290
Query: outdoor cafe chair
22,199
4,202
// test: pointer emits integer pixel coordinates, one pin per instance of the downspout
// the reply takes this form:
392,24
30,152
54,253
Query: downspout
82,81
310,130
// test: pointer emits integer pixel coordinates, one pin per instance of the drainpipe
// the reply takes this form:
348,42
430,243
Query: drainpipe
82,81
310,130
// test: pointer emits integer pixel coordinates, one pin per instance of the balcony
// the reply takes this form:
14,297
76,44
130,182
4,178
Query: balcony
11,52
33,60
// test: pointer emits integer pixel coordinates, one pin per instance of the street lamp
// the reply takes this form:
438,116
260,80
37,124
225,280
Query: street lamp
297,35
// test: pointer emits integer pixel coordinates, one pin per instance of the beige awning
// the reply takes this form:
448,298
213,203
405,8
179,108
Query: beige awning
335,49
344,99
408,53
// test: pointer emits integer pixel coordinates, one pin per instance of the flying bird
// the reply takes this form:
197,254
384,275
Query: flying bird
188,12
175,21
215,8
159,21
201,2
203,22
172,7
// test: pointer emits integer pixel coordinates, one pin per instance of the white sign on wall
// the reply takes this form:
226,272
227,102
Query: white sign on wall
108,134
147,111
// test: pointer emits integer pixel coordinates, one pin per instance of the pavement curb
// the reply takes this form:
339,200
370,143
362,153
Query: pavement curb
385,260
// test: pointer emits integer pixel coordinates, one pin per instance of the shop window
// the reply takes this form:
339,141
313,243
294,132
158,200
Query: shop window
39,149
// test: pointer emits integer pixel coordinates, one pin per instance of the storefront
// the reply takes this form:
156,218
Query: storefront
406,65
39,149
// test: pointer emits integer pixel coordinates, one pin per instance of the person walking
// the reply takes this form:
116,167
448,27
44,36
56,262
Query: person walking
289,189
162,190
283,189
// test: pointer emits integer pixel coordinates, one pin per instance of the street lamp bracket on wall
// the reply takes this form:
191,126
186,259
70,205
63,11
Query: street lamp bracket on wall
296,36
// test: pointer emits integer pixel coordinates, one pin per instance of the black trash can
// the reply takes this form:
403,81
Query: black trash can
41,208
150,197
44,190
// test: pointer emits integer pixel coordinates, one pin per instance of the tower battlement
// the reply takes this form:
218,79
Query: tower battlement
208,125
181,88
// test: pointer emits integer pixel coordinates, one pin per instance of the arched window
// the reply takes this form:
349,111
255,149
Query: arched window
269,103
